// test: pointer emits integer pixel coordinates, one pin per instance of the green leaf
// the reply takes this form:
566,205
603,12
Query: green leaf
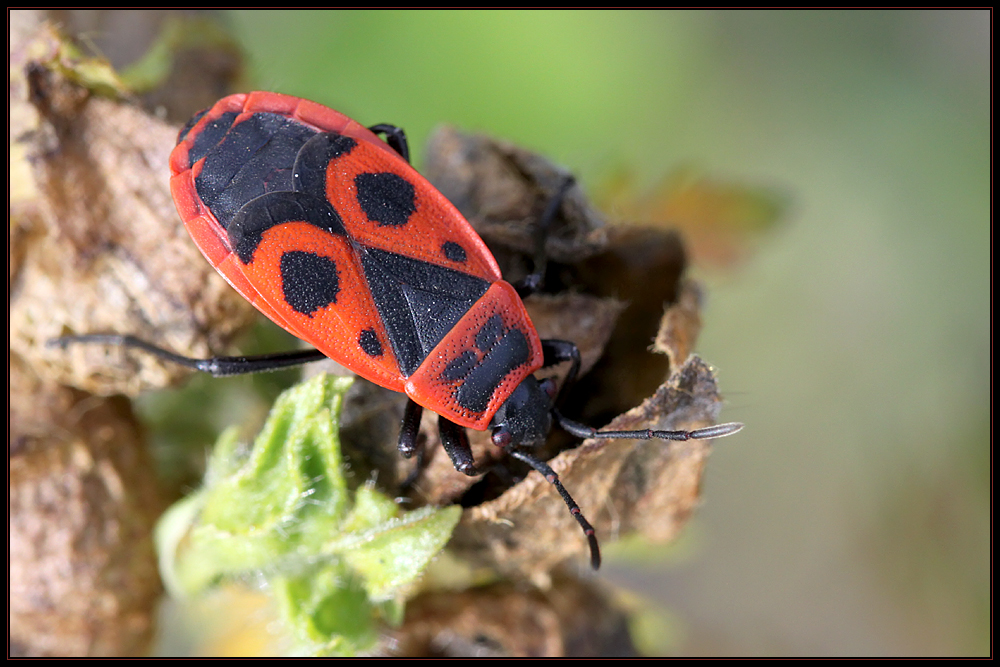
328,611
338,562
388,553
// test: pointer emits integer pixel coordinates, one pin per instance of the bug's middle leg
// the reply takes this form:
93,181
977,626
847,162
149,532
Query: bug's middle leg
455,441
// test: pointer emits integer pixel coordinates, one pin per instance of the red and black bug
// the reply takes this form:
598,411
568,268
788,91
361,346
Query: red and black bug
329,231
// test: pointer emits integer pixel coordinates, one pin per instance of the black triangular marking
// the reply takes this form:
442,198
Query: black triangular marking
419,302
435,313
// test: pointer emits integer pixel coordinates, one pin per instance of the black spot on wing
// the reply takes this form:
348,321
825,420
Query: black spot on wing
309,172
418,302
453,252
512,351
386,198
370,344
276,208
308,281
251,158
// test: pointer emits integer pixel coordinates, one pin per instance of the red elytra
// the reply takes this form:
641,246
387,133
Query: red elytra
414,287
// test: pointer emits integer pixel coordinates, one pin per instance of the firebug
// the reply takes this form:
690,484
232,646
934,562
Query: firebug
329,232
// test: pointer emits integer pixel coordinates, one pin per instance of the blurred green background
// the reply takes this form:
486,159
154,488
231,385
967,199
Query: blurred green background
852,515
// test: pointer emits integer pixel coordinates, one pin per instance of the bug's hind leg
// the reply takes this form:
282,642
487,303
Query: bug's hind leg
409,430
533,281
217,366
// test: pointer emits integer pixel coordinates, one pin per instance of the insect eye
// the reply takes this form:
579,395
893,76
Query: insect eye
548,385
501,437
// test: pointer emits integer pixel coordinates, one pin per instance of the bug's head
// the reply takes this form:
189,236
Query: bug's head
524,418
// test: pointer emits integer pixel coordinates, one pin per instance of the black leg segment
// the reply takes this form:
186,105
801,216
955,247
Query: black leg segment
585,432
395,137
546,471
533,282
558,351
217,366
455,441
409,430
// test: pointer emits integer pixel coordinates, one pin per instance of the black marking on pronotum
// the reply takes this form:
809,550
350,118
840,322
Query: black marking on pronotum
489,333
386,198
460,366
369,342
308,281
276,208
503,351
314,158
418,302
454,252
251,158
510,352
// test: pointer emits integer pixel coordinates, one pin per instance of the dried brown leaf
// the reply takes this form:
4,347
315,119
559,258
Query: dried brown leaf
503,189
680,325
83,501
623,486
573,617
95,246
107,253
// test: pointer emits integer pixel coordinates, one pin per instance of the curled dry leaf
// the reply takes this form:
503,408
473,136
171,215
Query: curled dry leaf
83,501
573,617
502,189
106,252
643,268
622,486
95,246
680,325
522,528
